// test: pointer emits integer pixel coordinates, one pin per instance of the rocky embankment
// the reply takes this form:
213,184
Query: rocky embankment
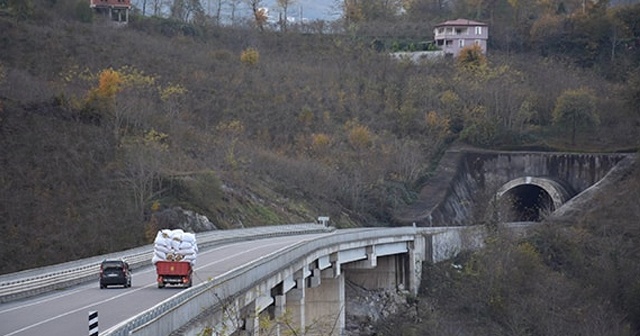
365,308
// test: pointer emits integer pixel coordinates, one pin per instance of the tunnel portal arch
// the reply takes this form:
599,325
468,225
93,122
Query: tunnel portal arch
535,193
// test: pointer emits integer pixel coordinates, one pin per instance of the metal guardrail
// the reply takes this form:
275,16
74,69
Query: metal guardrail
33,282
25,287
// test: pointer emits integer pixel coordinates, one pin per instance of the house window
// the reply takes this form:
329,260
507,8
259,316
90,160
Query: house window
478,30
460,43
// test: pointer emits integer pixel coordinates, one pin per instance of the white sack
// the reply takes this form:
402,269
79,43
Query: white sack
185,245
177,234
189,237
155,259
160,254
187,251
161,248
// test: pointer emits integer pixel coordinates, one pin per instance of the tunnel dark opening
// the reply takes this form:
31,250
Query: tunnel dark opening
529,203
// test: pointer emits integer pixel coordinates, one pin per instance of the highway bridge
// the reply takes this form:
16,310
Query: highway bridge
296,272
240,276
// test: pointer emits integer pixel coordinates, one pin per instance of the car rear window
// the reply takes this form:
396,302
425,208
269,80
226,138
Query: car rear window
111,264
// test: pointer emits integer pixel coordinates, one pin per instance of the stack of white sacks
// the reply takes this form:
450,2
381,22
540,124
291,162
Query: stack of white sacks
174,245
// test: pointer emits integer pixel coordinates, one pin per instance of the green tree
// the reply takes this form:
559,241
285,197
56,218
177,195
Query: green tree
22,9
575,109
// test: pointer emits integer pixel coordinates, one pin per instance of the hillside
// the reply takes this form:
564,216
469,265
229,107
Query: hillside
573,275
105,129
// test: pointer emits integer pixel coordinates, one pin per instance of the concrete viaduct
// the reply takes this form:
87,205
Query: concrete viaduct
305,286
303,289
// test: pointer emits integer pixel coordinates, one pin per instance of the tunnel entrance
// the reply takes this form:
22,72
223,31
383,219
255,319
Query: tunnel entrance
525,203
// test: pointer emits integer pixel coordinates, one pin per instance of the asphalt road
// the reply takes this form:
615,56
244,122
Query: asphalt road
65,312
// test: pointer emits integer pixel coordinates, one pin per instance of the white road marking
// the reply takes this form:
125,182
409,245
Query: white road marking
137,289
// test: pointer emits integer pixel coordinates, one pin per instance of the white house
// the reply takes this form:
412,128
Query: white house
451,36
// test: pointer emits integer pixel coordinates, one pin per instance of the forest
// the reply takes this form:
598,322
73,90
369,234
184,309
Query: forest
107,129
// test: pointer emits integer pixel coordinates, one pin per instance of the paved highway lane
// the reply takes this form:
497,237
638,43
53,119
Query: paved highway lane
66,312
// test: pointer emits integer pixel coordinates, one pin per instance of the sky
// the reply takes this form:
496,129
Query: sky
311,9
314,9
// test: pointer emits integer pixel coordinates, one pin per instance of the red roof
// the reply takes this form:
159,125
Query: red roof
460,22
111,3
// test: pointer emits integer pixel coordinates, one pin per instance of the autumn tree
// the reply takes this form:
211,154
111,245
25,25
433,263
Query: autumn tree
452,106
231,134
250,56
259,13
173,96
575,109
102,99
471,57
108,98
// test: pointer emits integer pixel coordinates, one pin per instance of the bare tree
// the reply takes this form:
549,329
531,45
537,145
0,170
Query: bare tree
284,5
186,10
142,171
233,4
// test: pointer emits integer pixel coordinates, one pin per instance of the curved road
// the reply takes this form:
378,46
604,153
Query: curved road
66,312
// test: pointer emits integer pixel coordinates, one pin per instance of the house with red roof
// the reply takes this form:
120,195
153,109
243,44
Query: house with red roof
451,36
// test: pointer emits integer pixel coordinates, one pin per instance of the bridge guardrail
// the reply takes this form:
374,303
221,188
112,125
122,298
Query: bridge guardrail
25,284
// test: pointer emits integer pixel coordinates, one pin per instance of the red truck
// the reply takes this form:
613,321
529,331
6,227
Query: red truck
174,273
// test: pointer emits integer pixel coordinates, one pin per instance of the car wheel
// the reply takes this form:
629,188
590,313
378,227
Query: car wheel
102,286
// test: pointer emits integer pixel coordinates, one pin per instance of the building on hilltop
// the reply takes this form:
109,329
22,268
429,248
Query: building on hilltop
117,10
451,36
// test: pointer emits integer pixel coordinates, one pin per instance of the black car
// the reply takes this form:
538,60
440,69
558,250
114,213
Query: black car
115,272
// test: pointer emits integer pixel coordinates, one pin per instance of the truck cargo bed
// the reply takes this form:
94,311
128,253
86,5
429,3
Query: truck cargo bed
174,273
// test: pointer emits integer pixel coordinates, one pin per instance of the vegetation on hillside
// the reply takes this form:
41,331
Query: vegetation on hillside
103,127
570,276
